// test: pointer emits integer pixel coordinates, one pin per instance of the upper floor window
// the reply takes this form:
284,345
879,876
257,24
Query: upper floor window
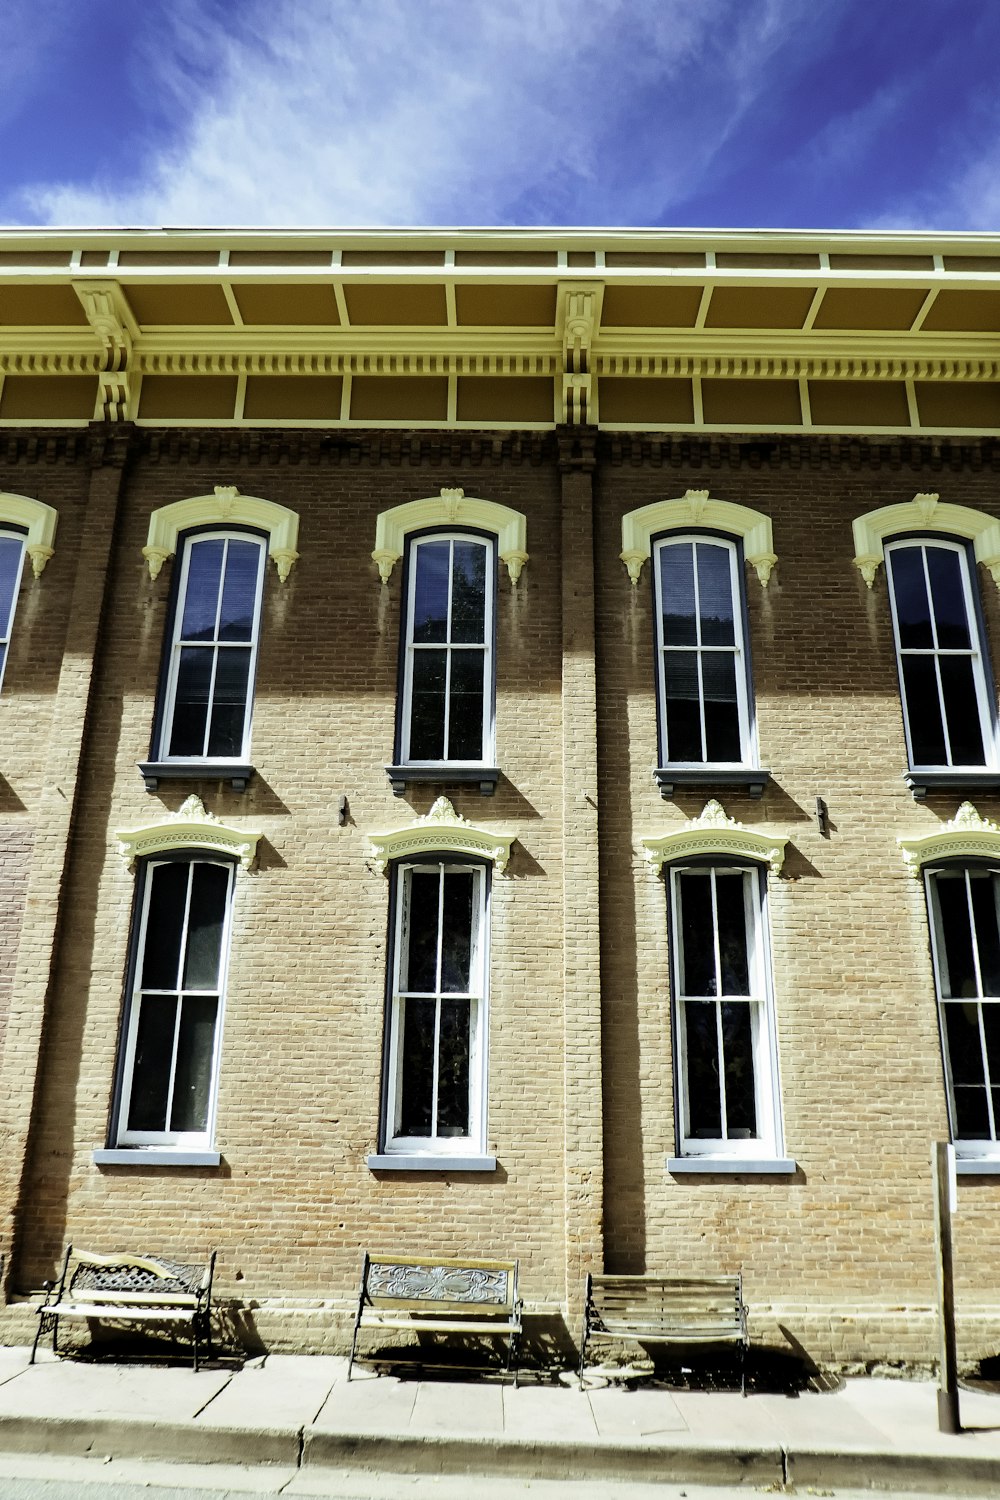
724,1040
947,701
208,695
436,1074
11,563
704,714
170,1041
965,941
446,707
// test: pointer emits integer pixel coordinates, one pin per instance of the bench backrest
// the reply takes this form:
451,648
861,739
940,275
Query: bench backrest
701,1306
135,1279
439,1284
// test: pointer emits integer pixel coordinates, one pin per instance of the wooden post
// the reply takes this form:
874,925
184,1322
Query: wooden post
941,1170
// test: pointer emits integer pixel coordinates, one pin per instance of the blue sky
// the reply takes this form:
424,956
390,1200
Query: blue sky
707,113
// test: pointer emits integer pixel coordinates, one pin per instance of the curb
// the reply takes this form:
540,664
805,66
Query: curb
146,1437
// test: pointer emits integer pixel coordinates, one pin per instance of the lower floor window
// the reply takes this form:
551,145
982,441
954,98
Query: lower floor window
965,933
437,1053
723,1034
171,1038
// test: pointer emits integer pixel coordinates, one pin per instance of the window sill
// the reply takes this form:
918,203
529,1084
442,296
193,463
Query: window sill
154,1156
758,1166
444,775
237,773
970,779
977,1166
390,1161
752,780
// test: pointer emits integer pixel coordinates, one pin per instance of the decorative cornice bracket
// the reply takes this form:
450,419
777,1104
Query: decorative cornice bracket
442,830
111,318
967,836
713,833
578,317
452,507
190,827
226,506
696,508
924,512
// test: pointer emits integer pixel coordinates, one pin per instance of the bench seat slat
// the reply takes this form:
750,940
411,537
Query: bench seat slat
107,1310
442,1325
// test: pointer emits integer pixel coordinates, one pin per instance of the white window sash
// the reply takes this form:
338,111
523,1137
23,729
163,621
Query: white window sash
763,1037
477,999
413,648
7,626
177,644
737,651
974,653
167,1137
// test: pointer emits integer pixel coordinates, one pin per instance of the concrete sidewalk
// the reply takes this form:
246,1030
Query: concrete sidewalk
300,1411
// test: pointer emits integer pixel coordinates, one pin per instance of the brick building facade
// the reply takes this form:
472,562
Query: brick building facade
666,561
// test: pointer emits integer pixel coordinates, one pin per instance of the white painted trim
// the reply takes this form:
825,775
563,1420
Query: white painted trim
154,1156
39,521
386,1161
713,833
191,827
778,1166
440,831
967,836
452,507
224,507
924,512
697,509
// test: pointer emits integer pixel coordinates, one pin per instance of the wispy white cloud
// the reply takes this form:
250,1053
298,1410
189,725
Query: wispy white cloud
435,111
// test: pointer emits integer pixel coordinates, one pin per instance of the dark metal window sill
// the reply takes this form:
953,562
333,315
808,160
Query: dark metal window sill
237,773
960,779
751,780
486,777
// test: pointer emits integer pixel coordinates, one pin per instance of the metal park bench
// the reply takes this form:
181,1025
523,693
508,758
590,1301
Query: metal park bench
129,1289
441,1294
667,1310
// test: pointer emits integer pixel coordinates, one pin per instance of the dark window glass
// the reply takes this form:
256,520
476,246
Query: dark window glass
193,1071
420,973
959,981
154,1046
229,702
704,1094
961,710
722,714
909,587
430,604
715,594
697,938
206,925
683,706
701,715
201,597
417,1093
924,711
737,1050
427,720
465,716
165,926
239,594
456,931
453,1068
447,650
677,593
468,593
731,915
984,906
10,568
948,594
194,686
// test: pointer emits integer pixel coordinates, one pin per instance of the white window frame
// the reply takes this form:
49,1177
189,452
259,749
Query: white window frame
738,650
976,654
181,1139
410,648
176,644
474,1144
963,1147
768,1143
14,534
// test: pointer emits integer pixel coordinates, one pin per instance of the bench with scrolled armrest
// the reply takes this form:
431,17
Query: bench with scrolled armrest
440,1294
132,1289
667,1310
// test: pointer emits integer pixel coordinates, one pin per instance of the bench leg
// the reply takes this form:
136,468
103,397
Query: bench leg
38,1333
743,1370
583,1345
354,1343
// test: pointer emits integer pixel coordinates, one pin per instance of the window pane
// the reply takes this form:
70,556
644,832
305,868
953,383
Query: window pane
201,598
962,711
193,1072
677,594
704,1097
722,715
417,1063
965,1050
239,592
683,727
154,1047
715,594
732,934
194,680
948,594
465,720
427,706
923,711
737,1050
468,592
984,906
3,658
229,703
456,936
418,971
430,603
959,980
164,926
991,1031
909,590
206,923
453,1068
10,563
697,940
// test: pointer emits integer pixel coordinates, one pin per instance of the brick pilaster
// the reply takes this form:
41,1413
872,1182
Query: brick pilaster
584,1155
